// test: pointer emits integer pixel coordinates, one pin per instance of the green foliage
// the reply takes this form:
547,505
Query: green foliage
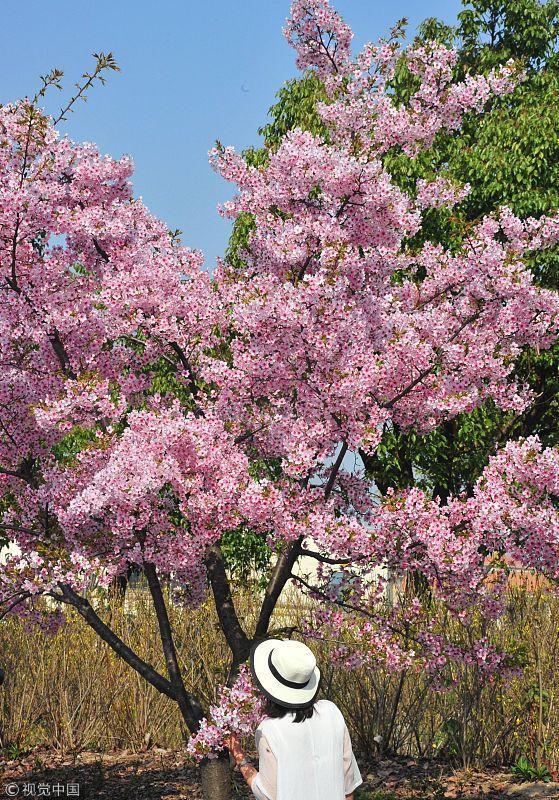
296,108
512,156
448,737
509,156
525,771
444,461
492,31
265,469
5,502
12,752
76,440
238,242
247,556
167,381
246,553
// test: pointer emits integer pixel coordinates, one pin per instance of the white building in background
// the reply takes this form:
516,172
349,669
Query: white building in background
7,550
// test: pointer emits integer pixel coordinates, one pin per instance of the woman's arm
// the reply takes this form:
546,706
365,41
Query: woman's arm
262,782
247,770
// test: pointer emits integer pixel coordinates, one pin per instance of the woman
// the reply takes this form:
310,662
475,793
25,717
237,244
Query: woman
303,744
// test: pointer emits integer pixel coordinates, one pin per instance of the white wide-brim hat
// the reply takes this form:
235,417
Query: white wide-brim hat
286,672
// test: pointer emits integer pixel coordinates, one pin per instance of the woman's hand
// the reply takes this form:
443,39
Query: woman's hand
235,748
248,771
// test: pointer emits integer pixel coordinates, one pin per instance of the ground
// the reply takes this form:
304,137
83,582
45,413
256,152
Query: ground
159,774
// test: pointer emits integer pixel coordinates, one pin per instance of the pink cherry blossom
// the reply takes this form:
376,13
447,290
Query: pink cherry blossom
148,408
238,711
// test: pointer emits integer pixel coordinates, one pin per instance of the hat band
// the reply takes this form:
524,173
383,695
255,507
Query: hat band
279,677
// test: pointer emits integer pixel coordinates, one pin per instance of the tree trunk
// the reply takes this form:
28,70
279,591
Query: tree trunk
216,778
119,584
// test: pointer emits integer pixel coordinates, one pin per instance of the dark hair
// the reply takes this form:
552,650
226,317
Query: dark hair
275,711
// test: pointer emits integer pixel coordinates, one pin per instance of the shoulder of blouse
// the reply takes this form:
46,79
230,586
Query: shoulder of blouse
321,705
327,704
331,709
263,724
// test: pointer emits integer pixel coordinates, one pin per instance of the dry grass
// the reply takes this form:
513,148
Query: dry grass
71,692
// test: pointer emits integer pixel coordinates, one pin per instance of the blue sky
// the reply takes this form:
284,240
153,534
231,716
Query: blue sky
191,73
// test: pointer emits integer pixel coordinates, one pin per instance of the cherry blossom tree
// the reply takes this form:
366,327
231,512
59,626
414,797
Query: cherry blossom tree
148,408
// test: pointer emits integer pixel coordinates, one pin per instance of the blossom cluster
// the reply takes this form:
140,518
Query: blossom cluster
328,346
148,407
238,711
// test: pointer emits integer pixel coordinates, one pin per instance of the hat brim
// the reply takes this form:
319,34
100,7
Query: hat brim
275,690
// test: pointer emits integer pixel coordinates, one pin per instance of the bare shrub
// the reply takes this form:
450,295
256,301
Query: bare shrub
69,691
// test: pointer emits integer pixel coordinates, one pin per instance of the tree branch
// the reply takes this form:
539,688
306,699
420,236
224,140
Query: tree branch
325,47
101,250
325,559
187,366
62,355
288,631
85,610
305,266
351,607
432,367
12,280
286,561
103,62
21,599
54,337
325,596
13,473
243,437
335,470
190,708
18,529
280,576
236,637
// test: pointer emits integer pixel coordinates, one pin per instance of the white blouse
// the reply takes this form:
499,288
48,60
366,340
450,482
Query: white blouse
309,760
